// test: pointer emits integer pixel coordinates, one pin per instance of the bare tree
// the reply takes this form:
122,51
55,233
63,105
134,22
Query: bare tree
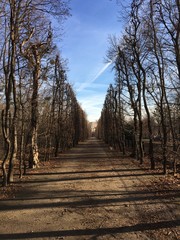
20,20
146,62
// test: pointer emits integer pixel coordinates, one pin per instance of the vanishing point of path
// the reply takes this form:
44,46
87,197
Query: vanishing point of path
90,193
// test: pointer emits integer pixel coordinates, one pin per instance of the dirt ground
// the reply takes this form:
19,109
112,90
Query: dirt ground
91,193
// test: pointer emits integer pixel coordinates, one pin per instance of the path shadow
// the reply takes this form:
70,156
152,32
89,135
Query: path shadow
91,232
85,172
82,178
88,200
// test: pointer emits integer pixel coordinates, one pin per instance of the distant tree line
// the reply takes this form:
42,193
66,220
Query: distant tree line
143,106
40,115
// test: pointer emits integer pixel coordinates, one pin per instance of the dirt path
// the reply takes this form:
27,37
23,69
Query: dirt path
90,194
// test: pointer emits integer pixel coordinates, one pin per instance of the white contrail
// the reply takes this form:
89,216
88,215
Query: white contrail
87,83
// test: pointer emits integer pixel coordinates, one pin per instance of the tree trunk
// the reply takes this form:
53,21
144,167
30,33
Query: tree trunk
34,160
34,153
12,81
5,131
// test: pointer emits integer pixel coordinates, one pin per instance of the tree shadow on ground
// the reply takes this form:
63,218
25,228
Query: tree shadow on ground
82,178
85,172
88,200
90,232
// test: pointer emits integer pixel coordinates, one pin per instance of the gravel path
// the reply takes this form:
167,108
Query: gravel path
89,193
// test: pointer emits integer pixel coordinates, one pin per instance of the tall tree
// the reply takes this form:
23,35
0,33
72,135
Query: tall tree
20,20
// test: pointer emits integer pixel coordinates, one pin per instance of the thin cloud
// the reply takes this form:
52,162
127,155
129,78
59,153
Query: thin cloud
87,83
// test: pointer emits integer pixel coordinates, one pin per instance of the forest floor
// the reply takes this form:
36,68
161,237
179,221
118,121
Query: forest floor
91,193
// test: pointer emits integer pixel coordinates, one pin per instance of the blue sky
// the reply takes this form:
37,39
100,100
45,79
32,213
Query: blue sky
84,45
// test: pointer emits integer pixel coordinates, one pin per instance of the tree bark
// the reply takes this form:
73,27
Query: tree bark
34,153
